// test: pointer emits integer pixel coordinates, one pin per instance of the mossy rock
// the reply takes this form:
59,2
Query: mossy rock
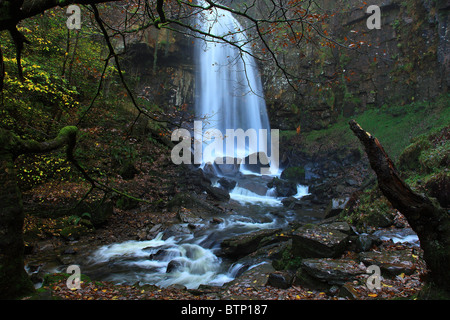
409,158
294,174
54,278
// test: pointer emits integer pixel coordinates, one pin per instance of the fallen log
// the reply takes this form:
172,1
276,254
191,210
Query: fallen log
426,217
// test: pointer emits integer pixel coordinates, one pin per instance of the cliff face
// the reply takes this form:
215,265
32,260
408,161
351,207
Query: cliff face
162,63
407,59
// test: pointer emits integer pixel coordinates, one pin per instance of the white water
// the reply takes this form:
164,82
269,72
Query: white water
230,96
243,195
229,88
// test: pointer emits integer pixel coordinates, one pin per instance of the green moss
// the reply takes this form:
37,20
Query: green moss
287,261
294,174
393,125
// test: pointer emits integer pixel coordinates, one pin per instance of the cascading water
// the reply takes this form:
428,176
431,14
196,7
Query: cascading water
230,96
229,88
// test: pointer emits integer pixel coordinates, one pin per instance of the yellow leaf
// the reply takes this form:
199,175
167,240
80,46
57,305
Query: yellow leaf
373,295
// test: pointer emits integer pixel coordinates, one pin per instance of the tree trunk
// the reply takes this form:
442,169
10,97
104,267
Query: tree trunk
426,217
14,281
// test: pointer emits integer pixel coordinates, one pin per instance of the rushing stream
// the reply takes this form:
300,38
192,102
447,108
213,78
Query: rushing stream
189,259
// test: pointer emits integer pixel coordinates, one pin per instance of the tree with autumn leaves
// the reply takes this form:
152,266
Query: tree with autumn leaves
272,27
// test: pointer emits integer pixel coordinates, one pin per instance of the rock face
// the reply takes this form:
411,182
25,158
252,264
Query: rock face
319,241
389,72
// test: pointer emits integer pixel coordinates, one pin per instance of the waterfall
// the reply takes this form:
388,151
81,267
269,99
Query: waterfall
229,89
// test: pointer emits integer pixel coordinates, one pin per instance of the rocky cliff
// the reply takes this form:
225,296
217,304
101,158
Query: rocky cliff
404,61
407,60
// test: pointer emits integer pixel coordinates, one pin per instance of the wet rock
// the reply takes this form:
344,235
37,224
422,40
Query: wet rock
227,166
174,265
218,193
227,184
280,279
256,276
390,262
333,271
186,216
340,226
335,207
192,202
162,254
321,191
155,229
242,245
216,220
254,186
198,177
255,162
292,203
284,188
364,242
318,241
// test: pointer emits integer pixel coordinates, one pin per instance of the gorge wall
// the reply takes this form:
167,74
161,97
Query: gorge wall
407,60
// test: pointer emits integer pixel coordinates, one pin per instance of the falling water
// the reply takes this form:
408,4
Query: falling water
229,88
229,96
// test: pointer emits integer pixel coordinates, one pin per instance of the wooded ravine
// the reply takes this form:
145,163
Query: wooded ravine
224,150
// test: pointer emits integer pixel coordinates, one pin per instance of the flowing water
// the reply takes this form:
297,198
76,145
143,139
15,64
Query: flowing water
229,87
230,97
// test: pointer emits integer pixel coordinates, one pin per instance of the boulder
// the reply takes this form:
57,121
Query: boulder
291,203
218,193
318,241
227,184
364,242
332,271
284,188
175,265
391,262
280,279
244,244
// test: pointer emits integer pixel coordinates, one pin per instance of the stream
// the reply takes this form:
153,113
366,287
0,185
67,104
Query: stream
192,259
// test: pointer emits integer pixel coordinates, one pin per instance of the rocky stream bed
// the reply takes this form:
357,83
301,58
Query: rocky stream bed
299,248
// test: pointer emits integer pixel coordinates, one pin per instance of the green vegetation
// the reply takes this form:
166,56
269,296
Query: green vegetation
394,126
